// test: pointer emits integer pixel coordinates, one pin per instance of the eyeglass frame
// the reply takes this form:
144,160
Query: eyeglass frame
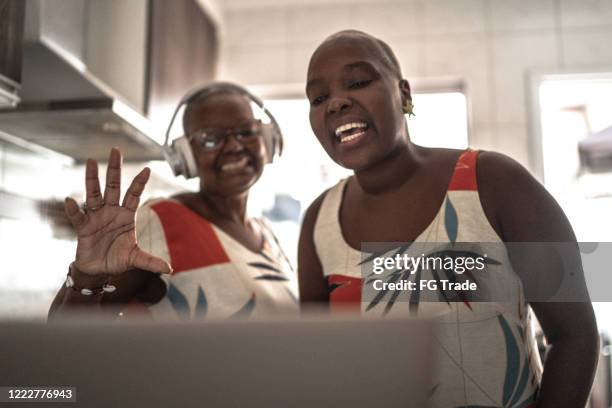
196,136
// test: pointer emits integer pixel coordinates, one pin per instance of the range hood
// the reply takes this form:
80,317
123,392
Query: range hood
11,36
89,78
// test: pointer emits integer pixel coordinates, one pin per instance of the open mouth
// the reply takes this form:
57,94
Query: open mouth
236,166
350,132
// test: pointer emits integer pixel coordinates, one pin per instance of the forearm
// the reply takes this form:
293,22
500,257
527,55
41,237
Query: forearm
68,302
569,370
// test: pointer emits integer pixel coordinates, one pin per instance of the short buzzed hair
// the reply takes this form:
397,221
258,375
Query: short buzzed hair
389,58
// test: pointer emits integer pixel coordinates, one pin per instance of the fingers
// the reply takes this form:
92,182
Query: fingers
145,261
132,196
74,213
112,190
92,185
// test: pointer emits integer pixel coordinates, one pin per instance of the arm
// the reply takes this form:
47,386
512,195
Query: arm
107,251
521,210
313,286
132,285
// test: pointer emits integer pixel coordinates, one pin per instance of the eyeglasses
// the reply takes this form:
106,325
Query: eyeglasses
211,139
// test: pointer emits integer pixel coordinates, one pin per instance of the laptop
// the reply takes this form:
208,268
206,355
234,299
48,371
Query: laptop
311,362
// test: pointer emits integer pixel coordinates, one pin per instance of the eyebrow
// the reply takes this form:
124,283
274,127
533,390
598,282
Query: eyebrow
359,64
347,67
311,83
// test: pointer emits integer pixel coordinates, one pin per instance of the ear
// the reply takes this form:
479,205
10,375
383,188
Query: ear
404,87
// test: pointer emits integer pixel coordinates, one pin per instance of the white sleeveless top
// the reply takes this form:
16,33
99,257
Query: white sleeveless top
214,276
486,353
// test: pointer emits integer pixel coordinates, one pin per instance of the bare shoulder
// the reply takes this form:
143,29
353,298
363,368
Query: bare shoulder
516,203
494,166
503,181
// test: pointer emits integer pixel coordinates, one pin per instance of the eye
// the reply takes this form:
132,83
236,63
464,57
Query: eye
209,144
245,133
318,100
211,141
359,84
208,139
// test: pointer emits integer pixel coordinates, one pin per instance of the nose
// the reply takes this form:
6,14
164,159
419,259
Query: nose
232,144
337,104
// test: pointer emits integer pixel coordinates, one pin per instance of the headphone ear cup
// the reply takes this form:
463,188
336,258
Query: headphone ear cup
181,159
273,141
269,141
183,146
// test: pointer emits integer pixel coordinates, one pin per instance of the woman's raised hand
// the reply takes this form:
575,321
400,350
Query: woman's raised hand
106,234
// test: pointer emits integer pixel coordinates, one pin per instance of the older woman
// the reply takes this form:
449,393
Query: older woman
195,255
401,192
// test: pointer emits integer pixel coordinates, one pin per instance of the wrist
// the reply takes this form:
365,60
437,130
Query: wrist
87,284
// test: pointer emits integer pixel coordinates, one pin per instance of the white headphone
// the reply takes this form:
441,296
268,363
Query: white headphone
179,154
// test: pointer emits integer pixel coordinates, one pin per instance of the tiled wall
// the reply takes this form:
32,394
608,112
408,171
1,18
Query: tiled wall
491,44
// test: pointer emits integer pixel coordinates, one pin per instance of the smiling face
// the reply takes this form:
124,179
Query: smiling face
356,101
235,165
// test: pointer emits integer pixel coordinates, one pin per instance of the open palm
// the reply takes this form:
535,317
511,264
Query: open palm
106,233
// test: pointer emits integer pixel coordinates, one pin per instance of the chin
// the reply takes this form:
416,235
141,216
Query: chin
236,186
230,185
357,160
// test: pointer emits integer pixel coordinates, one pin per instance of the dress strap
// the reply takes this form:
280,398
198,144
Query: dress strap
465,176
327,231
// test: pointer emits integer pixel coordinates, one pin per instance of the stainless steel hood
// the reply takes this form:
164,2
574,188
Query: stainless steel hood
84,79
95,72
11,38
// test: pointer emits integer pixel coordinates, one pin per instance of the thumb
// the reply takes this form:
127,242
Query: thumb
145,261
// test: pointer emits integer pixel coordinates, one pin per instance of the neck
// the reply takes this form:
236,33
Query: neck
391,172
232,208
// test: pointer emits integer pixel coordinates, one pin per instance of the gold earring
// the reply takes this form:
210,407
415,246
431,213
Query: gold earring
409,108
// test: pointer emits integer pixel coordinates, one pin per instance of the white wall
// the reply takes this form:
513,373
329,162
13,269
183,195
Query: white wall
491,44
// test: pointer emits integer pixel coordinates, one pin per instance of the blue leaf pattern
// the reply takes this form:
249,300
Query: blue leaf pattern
521,385
292,295
246,310
262,265
271,277
201,305
179,302
513,390
450,220
512,360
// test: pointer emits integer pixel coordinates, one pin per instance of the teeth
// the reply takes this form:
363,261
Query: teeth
235,165
349,126
344,139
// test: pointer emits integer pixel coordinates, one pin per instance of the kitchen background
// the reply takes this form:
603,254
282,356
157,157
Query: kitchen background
532,79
